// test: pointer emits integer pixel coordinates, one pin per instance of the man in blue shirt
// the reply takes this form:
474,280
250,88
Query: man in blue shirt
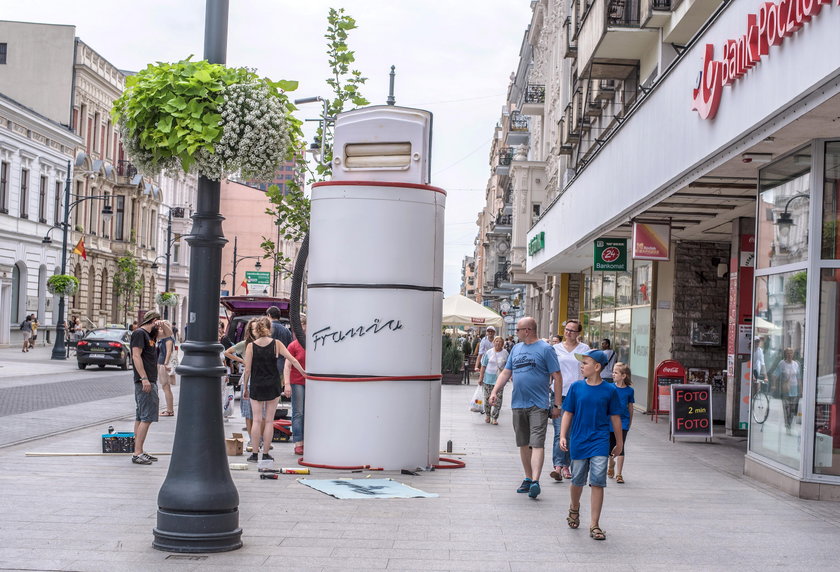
591,410
533,364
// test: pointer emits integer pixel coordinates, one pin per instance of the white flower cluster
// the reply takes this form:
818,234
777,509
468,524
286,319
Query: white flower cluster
255,135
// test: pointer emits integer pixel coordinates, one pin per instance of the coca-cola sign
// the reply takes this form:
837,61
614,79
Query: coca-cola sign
773,23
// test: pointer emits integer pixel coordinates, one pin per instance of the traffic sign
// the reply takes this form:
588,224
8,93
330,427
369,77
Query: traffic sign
258,277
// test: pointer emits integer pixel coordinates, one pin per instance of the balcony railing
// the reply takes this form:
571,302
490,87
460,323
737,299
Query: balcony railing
623,13
504,220
126,169
661,5
518,122
505,156
535,94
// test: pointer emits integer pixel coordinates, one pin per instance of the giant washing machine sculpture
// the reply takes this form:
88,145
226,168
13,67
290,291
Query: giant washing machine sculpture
373,349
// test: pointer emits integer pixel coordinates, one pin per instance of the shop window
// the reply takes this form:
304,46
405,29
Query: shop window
831,202
642,277
784,205
827,412
780,322
597,290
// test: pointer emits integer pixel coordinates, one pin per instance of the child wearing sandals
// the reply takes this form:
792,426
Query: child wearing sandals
591,410
626,397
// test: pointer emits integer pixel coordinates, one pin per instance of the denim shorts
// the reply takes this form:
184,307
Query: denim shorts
147,403
594,467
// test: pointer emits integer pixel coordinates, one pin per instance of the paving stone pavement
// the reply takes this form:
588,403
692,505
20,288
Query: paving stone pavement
685,506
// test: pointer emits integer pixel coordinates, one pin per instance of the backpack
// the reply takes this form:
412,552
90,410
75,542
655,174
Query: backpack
22,324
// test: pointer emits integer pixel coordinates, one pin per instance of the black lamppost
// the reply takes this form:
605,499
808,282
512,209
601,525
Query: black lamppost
785,220
59,350
236,259
198,504
174,212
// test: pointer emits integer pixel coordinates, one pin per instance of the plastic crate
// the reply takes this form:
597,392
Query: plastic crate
118,443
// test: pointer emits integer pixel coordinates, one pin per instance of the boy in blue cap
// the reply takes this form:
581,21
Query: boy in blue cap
591,411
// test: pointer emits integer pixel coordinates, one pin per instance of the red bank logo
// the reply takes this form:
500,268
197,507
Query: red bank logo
772,24
610,254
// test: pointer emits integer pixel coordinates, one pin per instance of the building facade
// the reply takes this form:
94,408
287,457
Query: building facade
34,156
704,135
83,87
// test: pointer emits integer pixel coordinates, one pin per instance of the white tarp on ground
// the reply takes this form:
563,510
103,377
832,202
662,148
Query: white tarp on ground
459,310
365,489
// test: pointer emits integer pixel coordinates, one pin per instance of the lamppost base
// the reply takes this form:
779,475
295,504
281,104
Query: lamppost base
192,533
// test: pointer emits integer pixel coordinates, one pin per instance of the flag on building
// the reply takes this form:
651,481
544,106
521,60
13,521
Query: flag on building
80,248
245,285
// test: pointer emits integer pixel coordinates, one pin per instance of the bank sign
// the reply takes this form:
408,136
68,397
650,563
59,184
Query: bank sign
774,23
611,254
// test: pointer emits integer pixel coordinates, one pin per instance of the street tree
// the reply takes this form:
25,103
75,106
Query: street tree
127,283
291,210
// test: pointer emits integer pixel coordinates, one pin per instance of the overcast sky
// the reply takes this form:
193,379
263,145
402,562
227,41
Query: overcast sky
453,59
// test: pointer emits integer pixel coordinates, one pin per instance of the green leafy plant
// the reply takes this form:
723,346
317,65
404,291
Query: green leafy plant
62,285
206,118
452,359
797,288
127,282
291,210
166,299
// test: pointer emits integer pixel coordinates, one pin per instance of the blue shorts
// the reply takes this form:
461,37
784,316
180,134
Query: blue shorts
245,406
594,467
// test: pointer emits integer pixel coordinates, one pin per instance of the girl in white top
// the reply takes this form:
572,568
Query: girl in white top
492,363
570,370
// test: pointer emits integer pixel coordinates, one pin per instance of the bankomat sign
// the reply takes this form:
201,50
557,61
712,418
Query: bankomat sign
769,27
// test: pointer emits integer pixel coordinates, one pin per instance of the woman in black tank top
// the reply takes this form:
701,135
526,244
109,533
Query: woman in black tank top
264,387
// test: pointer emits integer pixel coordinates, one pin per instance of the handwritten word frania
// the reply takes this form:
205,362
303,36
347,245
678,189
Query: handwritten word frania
328,334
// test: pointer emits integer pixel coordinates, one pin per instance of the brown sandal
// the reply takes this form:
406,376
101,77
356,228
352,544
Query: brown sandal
597,534
167,414
619,479
574,518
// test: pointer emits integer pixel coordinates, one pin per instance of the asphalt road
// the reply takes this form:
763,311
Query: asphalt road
41,405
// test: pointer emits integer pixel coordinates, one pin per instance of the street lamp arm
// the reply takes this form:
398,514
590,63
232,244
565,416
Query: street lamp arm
793,198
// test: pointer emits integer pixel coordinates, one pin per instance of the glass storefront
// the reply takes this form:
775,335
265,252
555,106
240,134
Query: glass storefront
616,305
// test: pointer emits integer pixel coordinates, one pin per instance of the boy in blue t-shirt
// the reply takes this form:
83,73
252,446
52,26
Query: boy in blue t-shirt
591,410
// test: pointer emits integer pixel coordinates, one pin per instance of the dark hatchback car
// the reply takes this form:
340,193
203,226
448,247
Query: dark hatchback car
106,346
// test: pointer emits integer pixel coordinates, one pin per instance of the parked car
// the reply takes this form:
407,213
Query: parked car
105,346
239,310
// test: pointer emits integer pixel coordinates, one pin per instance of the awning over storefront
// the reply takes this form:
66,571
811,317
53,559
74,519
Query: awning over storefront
459,310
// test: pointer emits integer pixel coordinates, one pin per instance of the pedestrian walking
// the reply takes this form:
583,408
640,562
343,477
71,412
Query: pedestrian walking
294,387
533,365
787,375
626,398
485,345
167,361
591,409
570,370
34,331
607,373
144,358
262,381
492,363
26,329
236,354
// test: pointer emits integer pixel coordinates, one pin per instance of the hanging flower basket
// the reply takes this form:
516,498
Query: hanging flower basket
166,299
207,119
62,285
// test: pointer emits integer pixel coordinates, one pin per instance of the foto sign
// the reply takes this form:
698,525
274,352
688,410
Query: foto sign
651,241
258,277
611,254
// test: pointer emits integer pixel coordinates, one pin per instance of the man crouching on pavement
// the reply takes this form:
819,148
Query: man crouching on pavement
533,364
144,358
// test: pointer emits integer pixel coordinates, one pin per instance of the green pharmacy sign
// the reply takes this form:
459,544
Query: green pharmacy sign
537,243
611,254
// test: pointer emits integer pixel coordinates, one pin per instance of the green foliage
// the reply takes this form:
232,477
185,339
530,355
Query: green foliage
797,287
452,359
166,299
291,211
127,282
170,112
62,284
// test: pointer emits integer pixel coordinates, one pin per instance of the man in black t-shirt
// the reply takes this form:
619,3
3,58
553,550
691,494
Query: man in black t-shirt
144,358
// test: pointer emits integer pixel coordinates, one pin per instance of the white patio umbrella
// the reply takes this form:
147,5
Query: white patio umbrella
459,310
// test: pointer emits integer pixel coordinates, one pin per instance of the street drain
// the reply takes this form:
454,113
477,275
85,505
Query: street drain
185,557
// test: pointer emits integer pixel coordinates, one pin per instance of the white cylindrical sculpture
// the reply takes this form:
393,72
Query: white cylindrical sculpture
375,283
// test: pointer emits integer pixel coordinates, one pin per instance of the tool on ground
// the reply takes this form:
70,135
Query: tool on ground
274,476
